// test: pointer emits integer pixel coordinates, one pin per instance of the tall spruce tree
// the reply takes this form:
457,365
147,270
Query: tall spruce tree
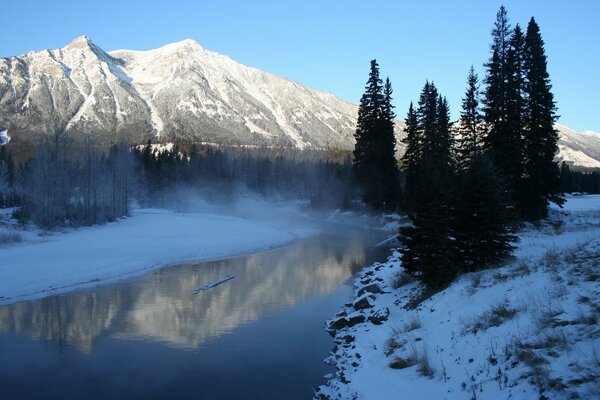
412,156
503,140
482,215
374,165
470,130
540,138
427,247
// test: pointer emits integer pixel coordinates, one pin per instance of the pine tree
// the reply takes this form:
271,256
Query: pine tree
540,139
387,166
482,216
374,166
566,180
470,129
412,156
428,247
502,98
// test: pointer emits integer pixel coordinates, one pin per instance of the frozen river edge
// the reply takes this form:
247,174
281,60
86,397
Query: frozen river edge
149,239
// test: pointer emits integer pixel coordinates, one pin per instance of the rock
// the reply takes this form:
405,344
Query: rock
336,324
379,316
348,339
363,302
372,288
355,318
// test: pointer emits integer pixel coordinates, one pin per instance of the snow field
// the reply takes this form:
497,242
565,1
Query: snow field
525,330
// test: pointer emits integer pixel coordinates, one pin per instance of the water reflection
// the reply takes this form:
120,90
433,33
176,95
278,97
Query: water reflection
161,306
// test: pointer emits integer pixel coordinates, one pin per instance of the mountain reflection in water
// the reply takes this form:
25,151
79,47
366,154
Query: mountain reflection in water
162,307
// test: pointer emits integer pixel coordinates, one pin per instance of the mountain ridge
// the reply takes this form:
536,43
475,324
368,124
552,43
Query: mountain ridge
184,91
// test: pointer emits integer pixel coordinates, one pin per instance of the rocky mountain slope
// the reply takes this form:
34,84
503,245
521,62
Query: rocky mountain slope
182,90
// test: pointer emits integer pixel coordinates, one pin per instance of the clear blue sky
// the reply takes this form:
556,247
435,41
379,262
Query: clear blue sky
327,44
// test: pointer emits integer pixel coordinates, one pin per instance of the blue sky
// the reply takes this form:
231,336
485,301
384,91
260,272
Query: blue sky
327,44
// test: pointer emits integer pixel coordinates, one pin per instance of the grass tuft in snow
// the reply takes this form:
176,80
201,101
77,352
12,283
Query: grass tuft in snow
551,259
496,316
422,361
401,363
413,323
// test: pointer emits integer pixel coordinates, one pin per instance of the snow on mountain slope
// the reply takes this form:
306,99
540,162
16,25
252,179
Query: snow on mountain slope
78,88
183,91
580,149
180,90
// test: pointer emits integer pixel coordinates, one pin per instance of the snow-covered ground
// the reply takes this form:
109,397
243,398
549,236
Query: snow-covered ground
527,330
34,265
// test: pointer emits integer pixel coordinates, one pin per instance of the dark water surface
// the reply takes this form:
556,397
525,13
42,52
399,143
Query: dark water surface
258,336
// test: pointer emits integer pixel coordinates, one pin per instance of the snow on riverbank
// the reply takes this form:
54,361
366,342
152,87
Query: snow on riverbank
150,238
527,330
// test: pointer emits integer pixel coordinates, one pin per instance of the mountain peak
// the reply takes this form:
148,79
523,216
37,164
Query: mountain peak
188,45
81,42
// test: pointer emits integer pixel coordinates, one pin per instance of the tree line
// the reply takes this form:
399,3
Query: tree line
321,177
72,181
465,185
68,182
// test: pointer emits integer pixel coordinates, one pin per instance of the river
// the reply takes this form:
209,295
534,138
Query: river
257,336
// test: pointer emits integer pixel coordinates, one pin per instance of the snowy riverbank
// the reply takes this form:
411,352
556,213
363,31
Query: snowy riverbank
526,330
40,266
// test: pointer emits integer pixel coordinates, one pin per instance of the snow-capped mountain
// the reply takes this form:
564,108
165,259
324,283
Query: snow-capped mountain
182,90
579,148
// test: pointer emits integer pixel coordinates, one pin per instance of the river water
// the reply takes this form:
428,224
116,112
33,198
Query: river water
257,336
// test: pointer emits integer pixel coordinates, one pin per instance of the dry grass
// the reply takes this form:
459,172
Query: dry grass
497,315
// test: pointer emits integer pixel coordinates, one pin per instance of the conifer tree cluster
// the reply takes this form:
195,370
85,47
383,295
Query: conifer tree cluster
453,193
374,167
464,190
429,167
520,113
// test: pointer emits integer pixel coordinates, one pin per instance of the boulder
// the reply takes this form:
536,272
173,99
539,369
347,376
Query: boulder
379,315
372,288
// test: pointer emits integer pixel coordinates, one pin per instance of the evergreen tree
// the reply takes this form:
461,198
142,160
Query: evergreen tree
482,216
428,246
442,141
566,181
374,166
470,130
502,102
412,156
540,138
